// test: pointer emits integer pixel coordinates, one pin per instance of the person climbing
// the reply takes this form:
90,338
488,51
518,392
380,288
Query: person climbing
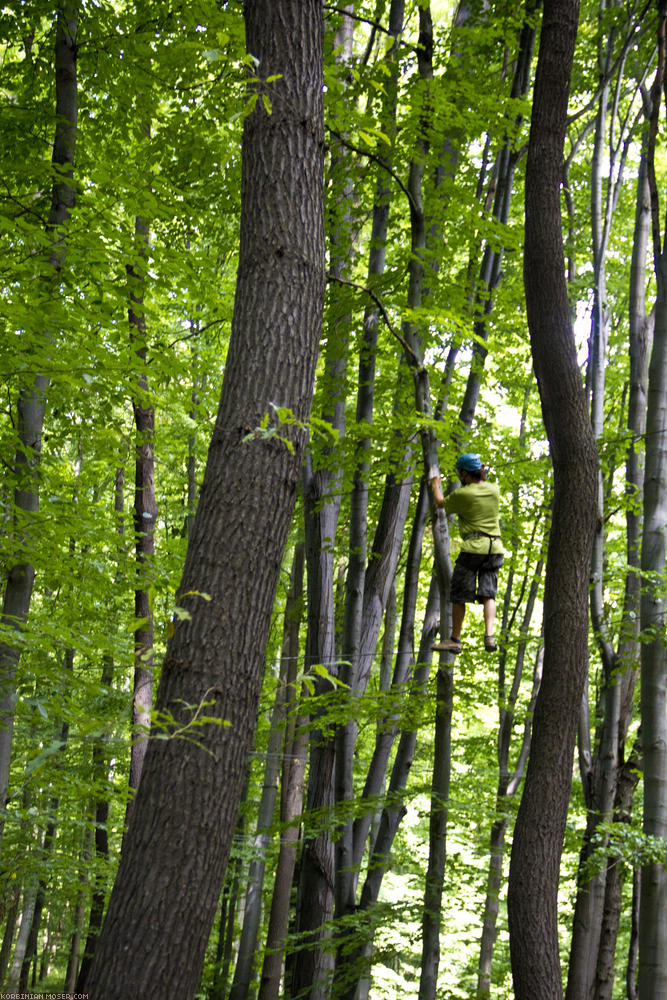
475,576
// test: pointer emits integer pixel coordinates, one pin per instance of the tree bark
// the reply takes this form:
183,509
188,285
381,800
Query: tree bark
540,825
172,866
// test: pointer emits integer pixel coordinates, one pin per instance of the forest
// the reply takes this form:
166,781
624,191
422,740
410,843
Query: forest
269,267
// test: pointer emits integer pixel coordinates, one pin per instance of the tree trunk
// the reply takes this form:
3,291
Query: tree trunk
322,501
20,949
100,767
10,929
284,703
291,803
540,825
145,513
358,658
508,782
600,782
652,981
45,851
633,944
172,865
606,967
32,398
435,874
79,914
228,905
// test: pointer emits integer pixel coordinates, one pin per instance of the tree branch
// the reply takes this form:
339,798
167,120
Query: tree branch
378,302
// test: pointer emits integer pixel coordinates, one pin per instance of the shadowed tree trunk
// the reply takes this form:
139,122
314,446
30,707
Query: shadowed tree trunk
540,825
176,849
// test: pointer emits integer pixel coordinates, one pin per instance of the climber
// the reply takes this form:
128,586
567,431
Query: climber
475,576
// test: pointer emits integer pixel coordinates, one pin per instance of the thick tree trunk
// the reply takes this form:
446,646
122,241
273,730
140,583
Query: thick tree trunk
172,866
540,825
32,398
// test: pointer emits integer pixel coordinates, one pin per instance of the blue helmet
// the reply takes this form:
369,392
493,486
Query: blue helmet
469,462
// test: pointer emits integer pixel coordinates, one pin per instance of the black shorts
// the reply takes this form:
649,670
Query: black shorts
475,577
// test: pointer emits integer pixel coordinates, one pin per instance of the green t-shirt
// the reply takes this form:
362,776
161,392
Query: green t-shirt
477,509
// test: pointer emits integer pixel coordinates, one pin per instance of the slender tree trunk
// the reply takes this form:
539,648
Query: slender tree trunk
228,906
100,767
101,818
437,854
252,912
79,915
633,945
445,684
32,398
10,929
44,853
641,336
601,780
145,513
21,947
172,865
652,981
359,659
291,802
540,825
322,501
606,966
508,783
284,701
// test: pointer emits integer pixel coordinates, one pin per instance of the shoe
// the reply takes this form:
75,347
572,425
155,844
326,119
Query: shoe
490,644
447,646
